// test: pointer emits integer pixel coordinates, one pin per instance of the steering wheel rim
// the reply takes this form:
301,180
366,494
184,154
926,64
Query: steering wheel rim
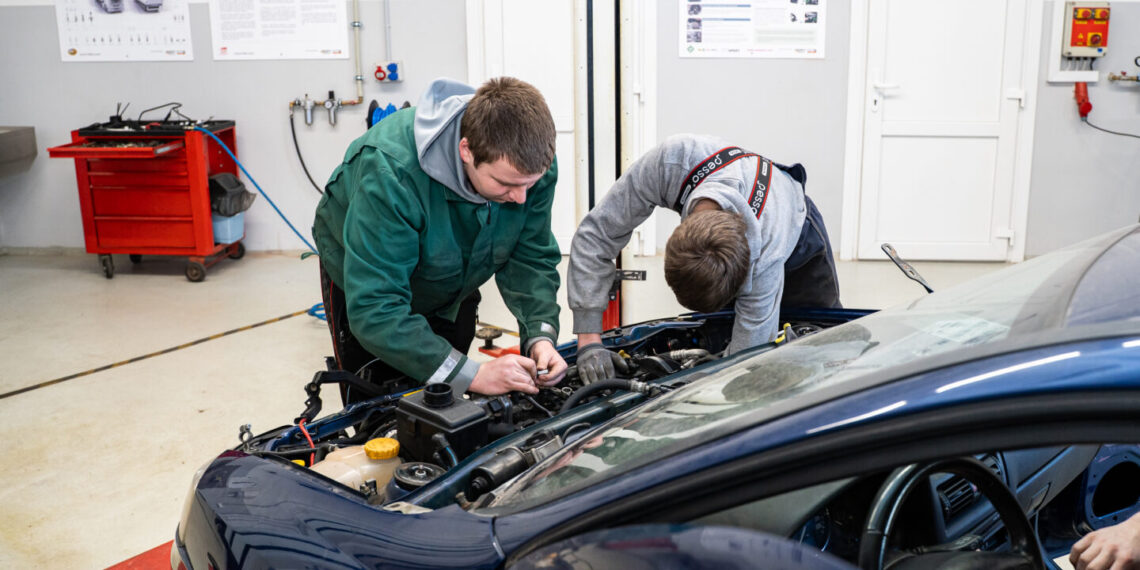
888,502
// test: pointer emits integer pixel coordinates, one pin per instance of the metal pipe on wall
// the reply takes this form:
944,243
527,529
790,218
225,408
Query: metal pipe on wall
356,25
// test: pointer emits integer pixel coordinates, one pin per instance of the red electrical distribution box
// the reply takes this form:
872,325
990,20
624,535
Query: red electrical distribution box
1086,29
144,190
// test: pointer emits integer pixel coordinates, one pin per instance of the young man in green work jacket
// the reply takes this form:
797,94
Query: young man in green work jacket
427,206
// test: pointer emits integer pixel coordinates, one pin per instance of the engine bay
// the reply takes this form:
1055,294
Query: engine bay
437,429
442,449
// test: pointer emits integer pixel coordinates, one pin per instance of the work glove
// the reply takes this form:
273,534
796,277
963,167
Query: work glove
596,363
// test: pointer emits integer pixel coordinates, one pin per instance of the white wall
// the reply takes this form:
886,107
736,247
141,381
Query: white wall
1083,181
40,207
789,110
1086,182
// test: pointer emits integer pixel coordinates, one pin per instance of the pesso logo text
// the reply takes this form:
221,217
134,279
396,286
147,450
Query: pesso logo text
757,201
707,168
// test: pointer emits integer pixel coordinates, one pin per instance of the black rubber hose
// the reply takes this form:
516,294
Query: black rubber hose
588,389
321,449
293,130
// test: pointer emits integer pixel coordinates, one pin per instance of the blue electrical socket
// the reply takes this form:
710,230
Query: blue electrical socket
389,71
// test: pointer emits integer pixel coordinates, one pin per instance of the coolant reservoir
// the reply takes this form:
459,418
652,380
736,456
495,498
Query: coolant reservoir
353,465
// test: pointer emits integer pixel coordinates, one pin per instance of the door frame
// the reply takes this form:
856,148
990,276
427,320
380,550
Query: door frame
637,92
486,59
856,103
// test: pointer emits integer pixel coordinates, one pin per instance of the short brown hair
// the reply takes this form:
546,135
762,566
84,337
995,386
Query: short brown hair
508,117
707,259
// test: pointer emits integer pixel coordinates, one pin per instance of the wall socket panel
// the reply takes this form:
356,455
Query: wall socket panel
389,71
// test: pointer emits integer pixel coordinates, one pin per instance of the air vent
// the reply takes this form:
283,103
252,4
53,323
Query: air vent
956,494
991,462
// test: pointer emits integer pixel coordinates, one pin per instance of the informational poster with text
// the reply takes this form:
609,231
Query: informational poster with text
279,29
764,28
124,30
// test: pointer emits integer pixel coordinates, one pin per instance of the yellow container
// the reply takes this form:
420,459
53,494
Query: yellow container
354,465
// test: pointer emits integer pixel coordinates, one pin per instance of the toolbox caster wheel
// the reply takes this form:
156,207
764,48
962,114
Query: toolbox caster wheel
136,258
239,252
108,265
195,271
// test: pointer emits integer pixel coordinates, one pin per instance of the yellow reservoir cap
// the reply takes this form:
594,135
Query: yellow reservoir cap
300,462
382,448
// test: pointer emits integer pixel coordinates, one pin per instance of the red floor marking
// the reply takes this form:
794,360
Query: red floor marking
157,557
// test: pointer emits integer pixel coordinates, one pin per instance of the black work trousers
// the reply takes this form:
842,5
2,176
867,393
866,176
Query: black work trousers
810,279
351,356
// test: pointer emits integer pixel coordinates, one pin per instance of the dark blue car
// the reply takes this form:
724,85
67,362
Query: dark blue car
985,426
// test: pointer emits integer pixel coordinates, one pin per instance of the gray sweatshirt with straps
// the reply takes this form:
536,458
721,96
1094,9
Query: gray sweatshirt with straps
656,179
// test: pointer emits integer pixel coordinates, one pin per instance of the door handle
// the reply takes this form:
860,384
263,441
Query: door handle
881,87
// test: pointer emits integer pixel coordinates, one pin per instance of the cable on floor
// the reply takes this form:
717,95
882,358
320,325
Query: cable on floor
318,311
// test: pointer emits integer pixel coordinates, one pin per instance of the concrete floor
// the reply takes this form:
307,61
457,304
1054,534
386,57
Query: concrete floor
99,465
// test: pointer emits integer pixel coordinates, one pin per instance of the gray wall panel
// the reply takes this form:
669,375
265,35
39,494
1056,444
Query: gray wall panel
789,110
39,207
1085,181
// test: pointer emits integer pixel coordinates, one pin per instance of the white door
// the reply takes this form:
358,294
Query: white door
943,99
533,41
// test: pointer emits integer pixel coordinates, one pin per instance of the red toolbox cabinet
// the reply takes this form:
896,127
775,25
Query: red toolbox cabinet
144,190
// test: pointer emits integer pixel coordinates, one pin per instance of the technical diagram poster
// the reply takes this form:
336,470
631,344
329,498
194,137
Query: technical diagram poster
124,30
764,28
279,29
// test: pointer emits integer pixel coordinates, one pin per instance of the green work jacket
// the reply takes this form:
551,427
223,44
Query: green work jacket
402,246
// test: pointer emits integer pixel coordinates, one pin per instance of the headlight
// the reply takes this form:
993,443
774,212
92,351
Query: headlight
190,499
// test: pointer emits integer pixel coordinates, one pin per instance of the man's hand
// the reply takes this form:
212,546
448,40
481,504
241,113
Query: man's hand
1111,548
546,357
596,363
507,373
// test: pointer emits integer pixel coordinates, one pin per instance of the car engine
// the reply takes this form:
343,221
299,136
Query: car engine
437,429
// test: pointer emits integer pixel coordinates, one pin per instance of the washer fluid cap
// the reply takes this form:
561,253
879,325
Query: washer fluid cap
382,448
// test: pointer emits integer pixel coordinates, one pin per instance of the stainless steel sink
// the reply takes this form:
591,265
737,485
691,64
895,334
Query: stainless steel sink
17,149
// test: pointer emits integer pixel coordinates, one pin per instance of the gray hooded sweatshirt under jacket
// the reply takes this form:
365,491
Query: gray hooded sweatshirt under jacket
439,113
655,180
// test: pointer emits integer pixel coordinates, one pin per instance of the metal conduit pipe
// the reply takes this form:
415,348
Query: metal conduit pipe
356,25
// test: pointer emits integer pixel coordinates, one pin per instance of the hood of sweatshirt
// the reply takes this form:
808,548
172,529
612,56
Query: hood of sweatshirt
436,129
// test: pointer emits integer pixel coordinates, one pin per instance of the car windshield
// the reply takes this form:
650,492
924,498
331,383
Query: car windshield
1042,293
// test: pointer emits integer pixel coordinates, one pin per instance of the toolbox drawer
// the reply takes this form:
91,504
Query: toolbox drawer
115,149
143,233
172,164
138,180
141,202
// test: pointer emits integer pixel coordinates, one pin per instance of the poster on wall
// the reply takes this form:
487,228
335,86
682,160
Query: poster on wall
279,29
764,28
124,30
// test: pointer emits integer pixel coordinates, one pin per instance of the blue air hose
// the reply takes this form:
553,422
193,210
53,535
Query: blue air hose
318,311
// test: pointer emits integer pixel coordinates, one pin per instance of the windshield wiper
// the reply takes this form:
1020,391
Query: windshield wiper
905,267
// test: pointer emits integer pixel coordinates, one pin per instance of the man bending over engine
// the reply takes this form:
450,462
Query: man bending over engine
748,234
